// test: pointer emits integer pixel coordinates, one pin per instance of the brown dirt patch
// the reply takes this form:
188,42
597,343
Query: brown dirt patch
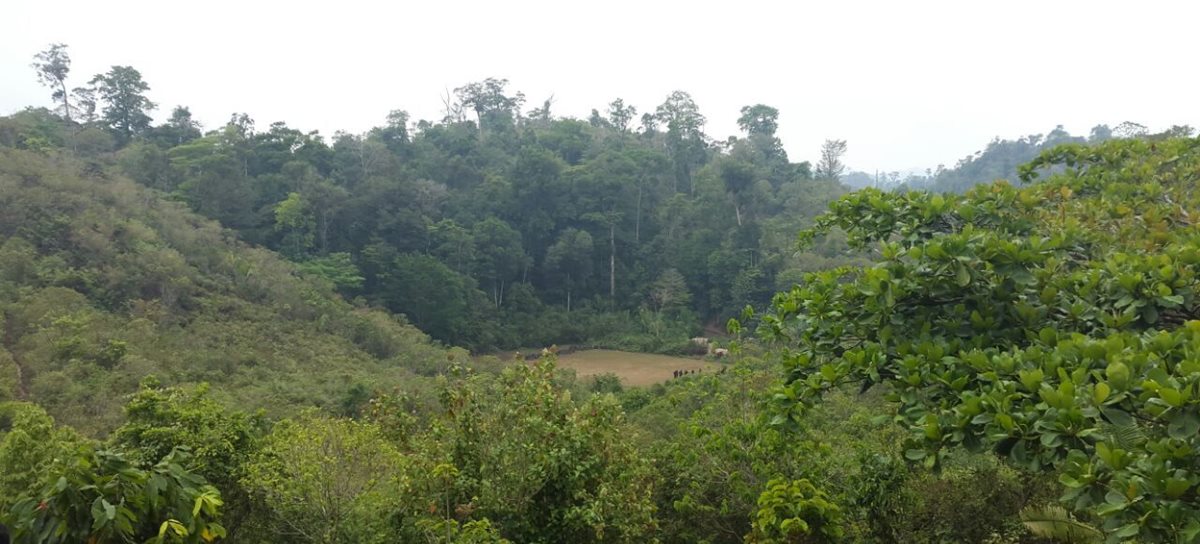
634,369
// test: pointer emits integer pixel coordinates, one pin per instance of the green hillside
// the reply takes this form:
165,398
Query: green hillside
103,282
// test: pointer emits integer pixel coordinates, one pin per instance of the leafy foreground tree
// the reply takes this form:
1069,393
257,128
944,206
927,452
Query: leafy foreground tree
795,511
87,494
723,476
517,455
160,420
326,480
1055,324
28,447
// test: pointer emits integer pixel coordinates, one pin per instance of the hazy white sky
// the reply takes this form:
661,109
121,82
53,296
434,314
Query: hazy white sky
908,84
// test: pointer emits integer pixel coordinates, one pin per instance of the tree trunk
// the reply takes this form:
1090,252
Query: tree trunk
737,210
66,100
637,221
362,158
324,230
612,262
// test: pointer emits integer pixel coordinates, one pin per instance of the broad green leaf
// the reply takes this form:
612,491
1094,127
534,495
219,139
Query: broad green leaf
1184,426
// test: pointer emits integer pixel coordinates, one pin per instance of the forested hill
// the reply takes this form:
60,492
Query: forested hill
1001,159
103,282
499,225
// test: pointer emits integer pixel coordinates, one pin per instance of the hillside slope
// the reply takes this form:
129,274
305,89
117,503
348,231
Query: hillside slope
104,282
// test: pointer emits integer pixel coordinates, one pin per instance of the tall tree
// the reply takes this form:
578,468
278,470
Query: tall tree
395,133
759,119
685,135
1129,129
499,255
1099,134
540,191
737,175
649,124
542,115
831,167
436,298
125,104
52,67
760,122
85,100
493,108
294,218
214,179
609,220
620,115
326,200
669,292
181,128
571,257
452,244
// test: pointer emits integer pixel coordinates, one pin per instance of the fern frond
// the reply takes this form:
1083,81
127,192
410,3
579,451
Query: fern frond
1053,522
1126,436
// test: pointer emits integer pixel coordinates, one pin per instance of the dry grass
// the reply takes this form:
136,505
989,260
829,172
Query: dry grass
634,369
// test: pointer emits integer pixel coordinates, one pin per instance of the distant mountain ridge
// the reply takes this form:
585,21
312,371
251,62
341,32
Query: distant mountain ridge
999,160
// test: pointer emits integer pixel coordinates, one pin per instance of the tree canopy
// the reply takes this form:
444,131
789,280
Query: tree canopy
1053,323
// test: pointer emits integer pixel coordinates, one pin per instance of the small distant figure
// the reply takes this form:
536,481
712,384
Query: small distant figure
674,374
721,352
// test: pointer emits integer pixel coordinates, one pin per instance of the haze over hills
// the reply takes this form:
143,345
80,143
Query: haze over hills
999,160
908,85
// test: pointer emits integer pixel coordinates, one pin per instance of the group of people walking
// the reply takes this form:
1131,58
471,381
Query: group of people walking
689,372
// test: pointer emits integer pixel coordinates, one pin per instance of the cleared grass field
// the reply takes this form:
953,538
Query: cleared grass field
634,369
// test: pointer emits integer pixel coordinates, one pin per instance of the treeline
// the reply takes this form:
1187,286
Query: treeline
1002,158
495,226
